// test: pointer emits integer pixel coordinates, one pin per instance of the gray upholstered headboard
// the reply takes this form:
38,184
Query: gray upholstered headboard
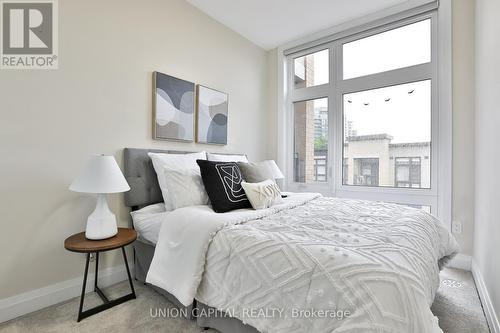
141,176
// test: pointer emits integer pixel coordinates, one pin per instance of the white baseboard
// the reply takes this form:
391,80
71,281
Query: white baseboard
489,309
37,299
461,261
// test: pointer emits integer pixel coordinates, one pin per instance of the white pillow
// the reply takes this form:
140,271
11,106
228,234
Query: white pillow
147,221
262,195
178,162
151,209
226,158
185,187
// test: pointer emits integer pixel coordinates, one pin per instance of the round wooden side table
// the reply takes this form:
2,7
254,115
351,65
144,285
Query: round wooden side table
78,243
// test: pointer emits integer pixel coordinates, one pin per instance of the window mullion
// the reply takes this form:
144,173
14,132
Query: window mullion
337,118
395,77
305,94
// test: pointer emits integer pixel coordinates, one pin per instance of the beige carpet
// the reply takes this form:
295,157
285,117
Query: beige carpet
457,306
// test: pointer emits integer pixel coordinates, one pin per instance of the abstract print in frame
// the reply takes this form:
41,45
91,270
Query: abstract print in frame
211,116
173,108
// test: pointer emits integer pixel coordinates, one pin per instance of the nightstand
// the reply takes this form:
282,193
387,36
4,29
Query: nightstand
78,243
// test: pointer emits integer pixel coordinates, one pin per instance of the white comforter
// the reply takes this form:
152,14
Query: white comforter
374,264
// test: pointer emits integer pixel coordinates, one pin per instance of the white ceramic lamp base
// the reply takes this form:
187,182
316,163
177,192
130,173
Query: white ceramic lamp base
101,224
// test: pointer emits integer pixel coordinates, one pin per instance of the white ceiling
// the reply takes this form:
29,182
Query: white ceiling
270,23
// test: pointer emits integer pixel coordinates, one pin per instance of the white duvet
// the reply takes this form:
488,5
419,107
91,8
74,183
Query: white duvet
355,266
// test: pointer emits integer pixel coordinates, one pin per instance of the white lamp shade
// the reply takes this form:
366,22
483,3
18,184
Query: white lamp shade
101,175
277,174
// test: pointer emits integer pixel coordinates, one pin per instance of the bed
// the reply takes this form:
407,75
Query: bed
309,264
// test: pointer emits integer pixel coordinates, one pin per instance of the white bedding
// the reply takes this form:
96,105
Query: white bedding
377,261
147,221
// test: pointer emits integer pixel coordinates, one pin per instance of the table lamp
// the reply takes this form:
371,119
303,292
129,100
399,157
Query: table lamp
277,174
101,175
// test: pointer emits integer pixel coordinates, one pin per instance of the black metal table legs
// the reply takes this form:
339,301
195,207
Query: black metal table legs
106,302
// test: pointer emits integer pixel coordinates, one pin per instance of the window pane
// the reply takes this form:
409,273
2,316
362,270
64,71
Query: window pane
408,172
387,136
402,47
311,70
310,140
366,171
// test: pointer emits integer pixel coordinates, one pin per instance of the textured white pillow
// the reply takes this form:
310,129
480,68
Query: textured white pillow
262,195
178,162
226,158
185,188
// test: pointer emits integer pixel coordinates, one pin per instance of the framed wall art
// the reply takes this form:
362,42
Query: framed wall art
212,116
173,108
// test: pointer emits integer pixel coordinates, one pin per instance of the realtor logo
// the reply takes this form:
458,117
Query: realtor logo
29,34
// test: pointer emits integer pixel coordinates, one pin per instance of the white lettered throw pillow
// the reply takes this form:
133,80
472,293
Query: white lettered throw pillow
263,194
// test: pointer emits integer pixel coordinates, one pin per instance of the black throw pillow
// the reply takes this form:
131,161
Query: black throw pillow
222,182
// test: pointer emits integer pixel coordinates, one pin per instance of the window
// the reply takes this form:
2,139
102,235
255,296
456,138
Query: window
320,168
310,140
366,171
311,70
362,117
388,122
397,48
408,172
345,171
426,209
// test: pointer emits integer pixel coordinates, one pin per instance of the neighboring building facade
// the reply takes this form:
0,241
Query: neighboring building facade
321,122
304,124
372,160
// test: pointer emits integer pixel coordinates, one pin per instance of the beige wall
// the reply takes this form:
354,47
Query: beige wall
463,120
99,101
272,100
487,203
